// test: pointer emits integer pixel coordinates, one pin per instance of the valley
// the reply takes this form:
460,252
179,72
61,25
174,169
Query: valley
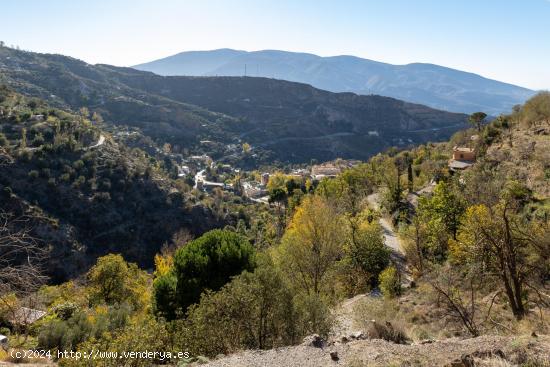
250,221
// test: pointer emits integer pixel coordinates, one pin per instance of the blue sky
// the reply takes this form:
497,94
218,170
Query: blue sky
507,40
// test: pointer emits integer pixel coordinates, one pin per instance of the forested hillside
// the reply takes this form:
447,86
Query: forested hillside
398,258
282,121
84,194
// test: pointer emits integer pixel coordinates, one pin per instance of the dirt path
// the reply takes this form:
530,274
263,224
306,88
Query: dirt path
99,142
344,324
391,239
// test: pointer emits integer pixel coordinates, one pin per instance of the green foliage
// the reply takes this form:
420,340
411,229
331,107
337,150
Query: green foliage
3,140
164,296
254,311
205,263
66,310
114,281
390,282
440,216
141,334
370,253
65,334
477,119
312,245
536,109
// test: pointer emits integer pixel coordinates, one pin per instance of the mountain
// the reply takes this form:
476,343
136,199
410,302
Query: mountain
82,193
283,121
433,85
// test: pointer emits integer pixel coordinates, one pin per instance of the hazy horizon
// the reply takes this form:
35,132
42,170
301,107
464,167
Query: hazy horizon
502,40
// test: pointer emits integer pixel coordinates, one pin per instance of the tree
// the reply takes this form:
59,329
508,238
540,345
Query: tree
312,245
114,281
410,177
21,256
279,197
498,241
97,118
23,143
254,311
477,119
369,253
347,193
390,282
207,262
444,206
458,289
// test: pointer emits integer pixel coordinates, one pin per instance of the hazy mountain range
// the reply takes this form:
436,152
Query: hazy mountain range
433,85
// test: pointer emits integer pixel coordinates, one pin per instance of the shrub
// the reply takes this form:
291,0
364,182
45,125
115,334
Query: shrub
207,262
254,311
33,174
370,253
114,281
390,282
65,335
536,109
38,140
3,140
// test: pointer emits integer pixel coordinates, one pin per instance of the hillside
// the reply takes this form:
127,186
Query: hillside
428,84
394,261
283,121
296,121
85,194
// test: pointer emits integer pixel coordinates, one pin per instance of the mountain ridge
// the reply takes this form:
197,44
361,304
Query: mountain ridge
437,86
271,113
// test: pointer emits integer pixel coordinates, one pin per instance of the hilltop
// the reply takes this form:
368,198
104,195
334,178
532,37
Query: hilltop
283,121
432,85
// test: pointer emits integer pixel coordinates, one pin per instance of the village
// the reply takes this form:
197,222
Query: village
211,175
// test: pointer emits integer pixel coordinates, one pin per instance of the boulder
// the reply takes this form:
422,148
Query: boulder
315,341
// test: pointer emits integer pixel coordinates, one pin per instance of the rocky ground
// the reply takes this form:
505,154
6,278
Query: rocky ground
481,351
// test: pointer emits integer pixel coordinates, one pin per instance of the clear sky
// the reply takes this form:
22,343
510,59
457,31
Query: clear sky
507,40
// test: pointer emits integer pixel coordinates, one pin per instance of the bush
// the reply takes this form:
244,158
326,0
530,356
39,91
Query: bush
33,174
254,311
370,253
390,282
3,140
38,140
143,333
67,332
114,281
65,335
536,109
205,263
